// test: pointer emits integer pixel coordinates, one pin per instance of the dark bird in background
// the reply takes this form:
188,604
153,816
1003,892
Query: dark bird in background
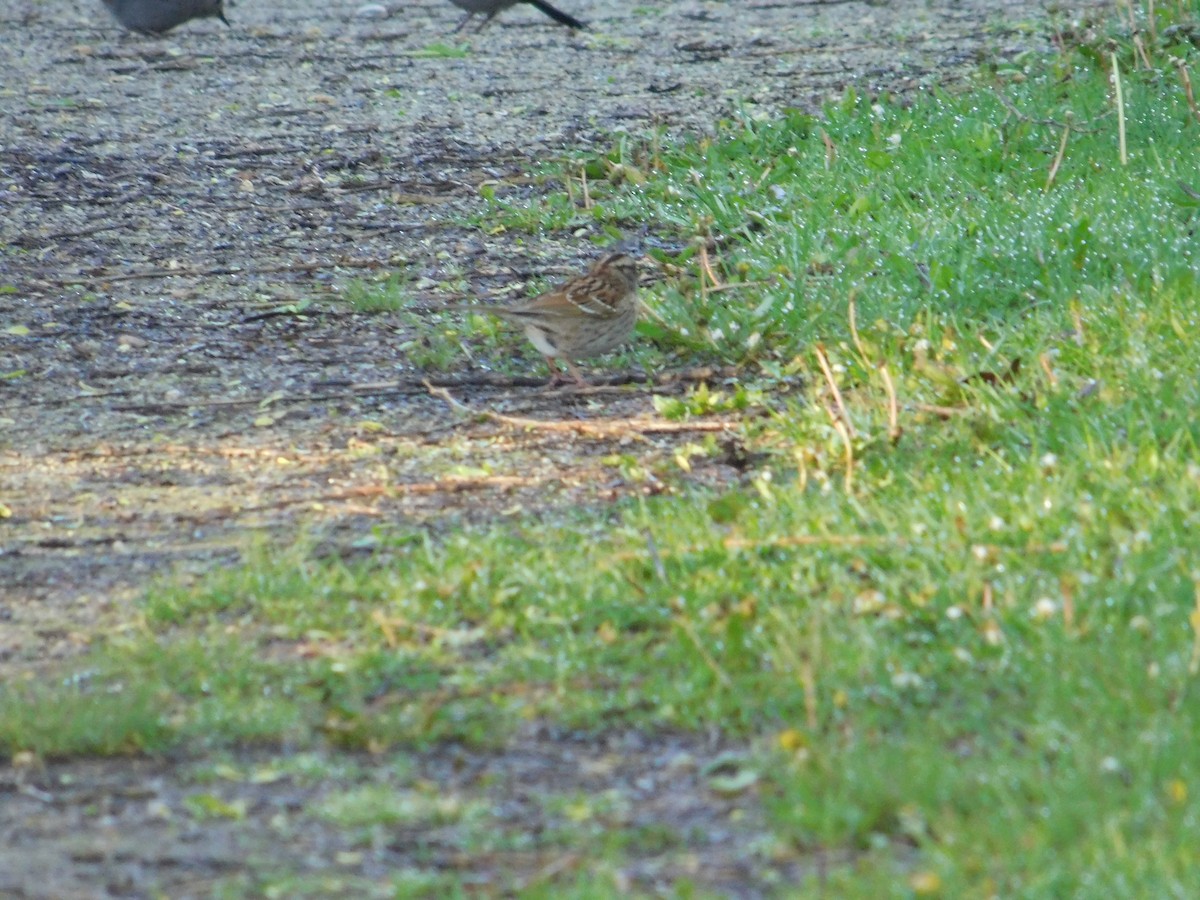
489,8
159,16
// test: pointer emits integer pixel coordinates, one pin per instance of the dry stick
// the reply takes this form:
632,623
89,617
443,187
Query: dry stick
1120,101
1077,321
827,371
809,680
894,429
388,625
890,388
852,312
587,198
1068,607
1181,68
443,394
763,177
592,429
801,471
552,870
830,150
690,631
1044,360
840,427
1194,664
1141,49
706,266
655,557
610,429
1058,157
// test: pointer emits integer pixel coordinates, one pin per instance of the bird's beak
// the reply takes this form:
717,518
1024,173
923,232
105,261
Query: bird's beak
221,16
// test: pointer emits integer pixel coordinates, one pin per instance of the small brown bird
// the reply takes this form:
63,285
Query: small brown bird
160,16
490,7
584,316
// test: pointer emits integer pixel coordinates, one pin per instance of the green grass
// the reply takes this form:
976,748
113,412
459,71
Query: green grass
391,294
965,651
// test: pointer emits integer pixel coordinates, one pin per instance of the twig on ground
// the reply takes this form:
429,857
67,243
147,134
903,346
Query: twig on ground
839,408
687,628
894,429
1058,157
601,429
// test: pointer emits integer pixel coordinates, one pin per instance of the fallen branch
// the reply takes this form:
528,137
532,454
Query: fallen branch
838,412
601,429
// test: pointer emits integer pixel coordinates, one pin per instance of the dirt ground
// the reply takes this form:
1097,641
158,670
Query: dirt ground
166,202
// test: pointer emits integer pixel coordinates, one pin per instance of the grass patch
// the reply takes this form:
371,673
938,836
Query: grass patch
392,294
112,717
956,608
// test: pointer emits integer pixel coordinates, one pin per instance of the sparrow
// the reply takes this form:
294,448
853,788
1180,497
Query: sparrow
490,7
584,316
160,16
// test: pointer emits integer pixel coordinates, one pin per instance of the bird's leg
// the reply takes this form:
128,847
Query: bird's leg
556,375
580,381
463,22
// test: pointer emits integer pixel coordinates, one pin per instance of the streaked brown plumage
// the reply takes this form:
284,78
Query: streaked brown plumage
584,316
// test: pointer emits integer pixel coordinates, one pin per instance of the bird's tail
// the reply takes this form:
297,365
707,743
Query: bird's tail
557,14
